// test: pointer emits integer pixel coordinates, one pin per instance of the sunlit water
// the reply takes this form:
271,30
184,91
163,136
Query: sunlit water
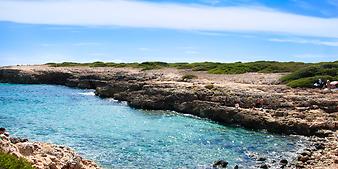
117,136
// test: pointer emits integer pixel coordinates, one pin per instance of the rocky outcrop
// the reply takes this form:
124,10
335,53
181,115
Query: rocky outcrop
44,155
274,112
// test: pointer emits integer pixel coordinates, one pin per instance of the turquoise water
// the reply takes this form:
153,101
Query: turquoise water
117,136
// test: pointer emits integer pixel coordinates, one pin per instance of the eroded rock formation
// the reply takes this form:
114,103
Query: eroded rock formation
44,155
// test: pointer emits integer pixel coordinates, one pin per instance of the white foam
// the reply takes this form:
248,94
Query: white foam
88,93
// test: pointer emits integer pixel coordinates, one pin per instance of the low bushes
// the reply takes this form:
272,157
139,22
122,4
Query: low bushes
308,81
303,74
8,161
211,67
307,76
188,77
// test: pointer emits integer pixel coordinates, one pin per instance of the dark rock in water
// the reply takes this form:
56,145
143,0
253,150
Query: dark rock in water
324,133
265,166
2,130
283,163
236,167
261,159
17,140
220,164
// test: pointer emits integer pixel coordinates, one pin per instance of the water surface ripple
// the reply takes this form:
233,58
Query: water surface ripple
117,136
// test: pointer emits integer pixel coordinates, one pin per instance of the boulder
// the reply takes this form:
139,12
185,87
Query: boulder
220,164
26,148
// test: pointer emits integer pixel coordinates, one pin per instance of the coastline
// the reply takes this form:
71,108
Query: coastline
44,155
258,102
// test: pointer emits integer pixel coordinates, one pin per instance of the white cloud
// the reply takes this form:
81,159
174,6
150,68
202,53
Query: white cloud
333,3
165,15
306,41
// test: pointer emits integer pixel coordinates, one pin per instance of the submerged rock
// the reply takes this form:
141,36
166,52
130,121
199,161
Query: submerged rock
220,164
283,162
264,166
261,159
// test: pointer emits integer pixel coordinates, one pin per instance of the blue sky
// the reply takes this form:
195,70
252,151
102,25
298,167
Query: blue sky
37,31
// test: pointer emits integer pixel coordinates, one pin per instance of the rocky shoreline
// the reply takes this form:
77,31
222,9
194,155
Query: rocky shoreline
44,155
253,101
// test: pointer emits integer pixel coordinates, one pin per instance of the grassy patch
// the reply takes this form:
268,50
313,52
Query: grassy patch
307,76
211,67
8,161
302,74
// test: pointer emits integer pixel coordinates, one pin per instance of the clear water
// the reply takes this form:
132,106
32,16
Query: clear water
117,136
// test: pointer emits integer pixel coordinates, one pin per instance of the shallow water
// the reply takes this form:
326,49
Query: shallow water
117,136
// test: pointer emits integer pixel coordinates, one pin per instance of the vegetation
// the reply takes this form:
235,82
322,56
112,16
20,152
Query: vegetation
303,74
211,67
189,76
8,161
307,76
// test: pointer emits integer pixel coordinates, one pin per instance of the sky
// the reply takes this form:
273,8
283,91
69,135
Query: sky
41,31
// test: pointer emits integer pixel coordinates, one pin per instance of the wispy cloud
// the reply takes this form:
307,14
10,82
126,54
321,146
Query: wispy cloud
333,2
165,15
306,41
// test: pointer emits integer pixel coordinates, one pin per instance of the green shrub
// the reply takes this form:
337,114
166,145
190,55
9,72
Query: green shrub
189,76
308,81
181,65
302,73
211,67
98,64
151,65
305,77
8,161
